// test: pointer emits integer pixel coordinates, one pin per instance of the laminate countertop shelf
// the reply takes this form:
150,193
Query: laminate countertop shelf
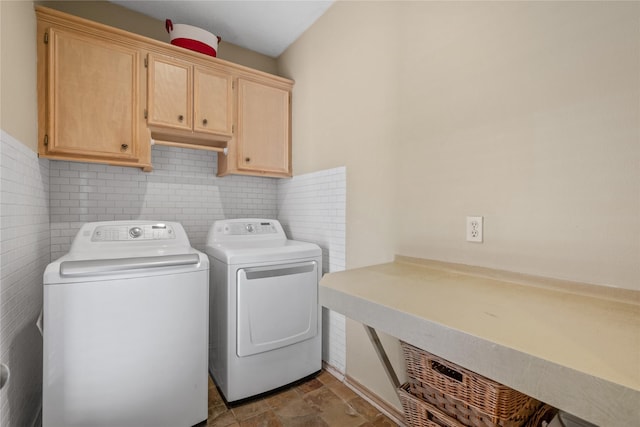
571,345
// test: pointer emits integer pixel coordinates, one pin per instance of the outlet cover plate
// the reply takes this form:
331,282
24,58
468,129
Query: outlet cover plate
474,229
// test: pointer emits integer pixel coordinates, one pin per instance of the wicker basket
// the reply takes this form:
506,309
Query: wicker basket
471,398
468,415
544,414
418,413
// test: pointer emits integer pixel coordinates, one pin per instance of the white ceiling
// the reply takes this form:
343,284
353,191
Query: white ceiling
264,26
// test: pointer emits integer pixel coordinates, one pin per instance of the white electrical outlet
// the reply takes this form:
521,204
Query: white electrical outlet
474,229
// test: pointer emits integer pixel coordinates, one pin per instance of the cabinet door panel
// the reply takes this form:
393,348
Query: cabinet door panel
263,128
170,93
212,103
93,97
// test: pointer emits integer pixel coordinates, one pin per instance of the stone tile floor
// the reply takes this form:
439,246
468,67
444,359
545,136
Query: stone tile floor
320,401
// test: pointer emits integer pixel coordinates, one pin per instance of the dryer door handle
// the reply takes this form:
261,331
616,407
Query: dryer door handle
119,265
261,273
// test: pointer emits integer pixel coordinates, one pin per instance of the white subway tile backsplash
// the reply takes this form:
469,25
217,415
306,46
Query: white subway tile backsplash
312,207
24,254
183,187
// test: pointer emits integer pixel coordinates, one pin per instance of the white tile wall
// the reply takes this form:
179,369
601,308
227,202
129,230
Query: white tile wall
24,254
312,208
183,187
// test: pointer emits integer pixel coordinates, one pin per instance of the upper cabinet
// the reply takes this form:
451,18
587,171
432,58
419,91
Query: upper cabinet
261,145
106,95
89,99
187,100
212,102
170,93
264,129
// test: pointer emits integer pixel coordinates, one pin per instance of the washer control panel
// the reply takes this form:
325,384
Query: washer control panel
118,233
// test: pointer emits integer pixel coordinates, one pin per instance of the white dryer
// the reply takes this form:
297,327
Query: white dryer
126,329
265,321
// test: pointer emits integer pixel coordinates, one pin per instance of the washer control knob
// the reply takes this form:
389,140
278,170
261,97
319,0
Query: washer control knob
135,232
250,228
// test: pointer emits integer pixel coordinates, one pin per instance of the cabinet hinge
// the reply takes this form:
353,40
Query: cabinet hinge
46,140
145,113
233,128
146,62
46,38
233,85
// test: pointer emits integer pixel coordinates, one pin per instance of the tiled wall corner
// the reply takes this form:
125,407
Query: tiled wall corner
183,187
312,208
24,254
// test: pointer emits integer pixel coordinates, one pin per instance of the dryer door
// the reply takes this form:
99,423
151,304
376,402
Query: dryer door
277,306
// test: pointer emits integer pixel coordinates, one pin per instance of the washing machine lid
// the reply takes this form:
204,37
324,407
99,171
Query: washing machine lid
122,249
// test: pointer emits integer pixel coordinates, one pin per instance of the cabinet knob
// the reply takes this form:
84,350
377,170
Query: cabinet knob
247,159
180,118
124,146
204,122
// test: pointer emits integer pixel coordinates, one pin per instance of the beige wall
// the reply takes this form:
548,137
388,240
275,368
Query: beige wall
524,112
113,15
18,103
239,55
345,104
528,114
121,17
345,112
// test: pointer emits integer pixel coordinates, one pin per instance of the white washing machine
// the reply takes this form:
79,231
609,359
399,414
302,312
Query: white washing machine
126,329
265,321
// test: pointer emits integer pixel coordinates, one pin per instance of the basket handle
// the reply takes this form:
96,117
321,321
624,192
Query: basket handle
168,25
446,371
437,418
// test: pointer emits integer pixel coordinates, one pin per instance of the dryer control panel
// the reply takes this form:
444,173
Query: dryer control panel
246,229
243,228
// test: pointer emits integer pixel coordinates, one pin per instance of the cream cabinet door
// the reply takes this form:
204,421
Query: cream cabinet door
169,93
92,98
264,128
213,93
